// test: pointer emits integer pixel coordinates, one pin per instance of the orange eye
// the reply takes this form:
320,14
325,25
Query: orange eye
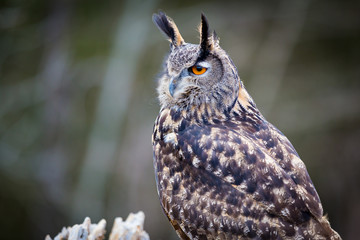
198,70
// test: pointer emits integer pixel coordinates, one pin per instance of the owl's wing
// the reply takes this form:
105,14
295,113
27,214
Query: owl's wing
259,164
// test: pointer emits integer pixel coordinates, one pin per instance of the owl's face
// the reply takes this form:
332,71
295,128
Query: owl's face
194,74
188,74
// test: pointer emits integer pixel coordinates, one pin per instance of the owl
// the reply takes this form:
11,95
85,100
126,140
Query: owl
222,171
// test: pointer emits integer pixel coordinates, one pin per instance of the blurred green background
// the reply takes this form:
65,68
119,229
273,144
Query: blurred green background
78,102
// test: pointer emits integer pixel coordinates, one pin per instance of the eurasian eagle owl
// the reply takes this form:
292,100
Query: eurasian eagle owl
223,171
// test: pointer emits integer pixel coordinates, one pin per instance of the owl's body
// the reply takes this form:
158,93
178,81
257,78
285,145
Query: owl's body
223,171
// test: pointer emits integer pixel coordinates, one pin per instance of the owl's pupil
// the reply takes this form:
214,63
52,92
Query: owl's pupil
197,70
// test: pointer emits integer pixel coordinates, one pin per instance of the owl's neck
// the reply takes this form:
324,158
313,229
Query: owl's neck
245,99
213,113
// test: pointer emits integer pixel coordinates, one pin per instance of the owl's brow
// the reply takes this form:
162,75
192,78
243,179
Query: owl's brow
202,57
203,64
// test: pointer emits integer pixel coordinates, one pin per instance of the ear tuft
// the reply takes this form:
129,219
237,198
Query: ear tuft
167,26
162,22
204,34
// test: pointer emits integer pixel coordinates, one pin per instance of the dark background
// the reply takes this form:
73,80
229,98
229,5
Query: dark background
78,102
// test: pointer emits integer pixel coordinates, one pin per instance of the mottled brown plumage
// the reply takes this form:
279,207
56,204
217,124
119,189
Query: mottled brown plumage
223,171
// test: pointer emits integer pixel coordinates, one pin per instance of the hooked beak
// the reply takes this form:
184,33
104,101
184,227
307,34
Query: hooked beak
173,84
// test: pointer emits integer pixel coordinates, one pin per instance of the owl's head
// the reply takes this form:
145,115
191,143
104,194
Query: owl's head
196,74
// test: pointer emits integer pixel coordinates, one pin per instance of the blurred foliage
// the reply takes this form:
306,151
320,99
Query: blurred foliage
78,102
